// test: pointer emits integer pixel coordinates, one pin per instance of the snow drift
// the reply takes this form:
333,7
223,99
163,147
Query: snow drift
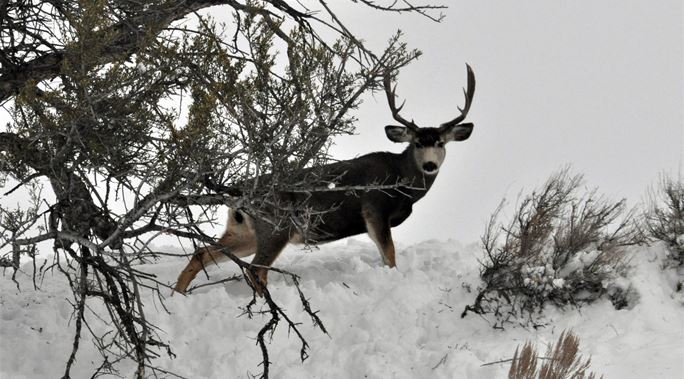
383,323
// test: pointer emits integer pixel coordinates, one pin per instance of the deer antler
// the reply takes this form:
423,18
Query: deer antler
391,96
469,99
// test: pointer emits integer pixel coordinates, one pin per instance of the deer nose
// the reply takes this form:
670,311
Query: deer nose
429,167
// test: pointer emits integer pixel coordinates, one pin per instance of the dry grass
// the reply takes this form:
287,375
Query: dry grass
563,361
525,365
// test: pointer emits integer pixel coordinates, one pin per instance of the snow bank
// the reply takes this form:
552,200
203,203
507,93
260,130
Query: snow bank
383,323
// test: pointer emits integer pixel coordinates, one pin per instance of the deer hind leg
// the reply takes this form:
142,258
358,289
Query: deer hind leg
238,239
200,259
268,249
380,232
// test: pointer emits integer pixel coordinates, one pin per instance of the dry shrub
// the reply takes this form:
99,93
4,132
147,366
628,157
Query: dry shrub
561,362
664,216
561,247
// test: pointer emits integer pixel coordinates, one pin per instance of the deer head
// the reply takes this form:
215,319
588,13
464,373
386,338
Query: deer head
427,144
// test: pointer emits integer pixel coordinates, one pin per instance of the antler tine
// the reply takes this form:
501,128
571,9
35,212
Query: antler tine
468,100
391,98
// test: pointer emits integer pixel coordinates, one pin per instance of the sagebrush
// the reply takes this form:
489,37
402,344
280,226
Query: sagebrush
561,246
664,216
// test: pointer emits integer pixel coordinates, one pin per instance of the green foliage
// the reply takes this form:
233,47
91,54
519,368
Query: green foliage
189,103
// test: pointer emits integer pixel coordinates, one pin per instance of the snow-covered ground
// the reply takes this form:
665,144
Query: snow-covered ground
383,323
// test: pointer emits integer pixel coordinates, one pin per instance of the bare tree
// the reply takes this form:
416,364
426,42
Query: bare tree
142,117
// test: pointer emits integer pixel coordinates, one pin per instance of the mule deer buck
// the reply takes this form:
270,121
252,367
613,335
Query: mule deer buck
373,211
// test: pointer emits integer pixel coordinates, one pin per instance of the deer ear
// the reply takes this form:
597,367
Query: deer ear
398,133
458,132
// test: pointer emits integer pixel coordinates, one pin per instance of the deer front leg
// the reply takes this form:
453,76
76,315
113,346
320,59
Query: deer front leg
379,231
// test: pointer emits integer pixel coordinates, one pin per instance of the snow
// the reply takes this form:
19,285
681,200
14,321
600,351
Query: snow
383,323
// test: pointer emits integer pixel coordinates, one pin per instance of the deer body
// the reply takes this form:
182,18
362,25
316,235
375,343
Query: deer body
394,183
392,204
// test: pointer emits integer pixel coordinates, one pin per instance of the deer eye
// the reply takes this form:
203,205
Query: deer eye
418,145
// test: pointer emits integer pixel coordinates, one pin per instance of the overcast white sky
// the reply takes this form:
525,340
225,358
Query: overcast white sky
595,84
